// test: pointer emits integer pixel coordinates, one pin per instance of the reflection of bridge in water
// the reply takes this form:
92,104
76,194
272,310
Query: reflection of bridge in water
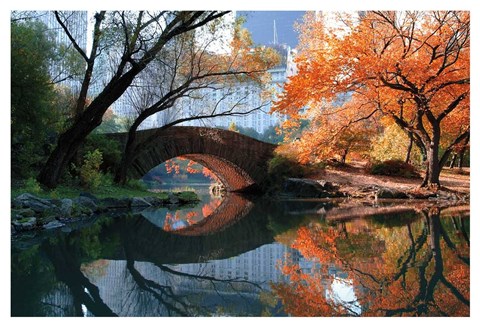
237,226
231,209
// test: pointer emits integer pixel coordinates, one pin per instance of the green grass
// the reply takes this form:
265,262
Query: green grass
112,191
187,196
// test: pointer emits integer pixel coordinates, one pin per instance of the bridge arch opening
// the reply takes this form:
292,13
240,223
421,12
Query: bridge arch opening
214,211
218,170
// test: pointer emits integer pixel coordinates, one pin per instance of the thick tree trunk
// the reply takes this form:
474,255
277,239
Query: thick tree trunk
460,159
67,145
433,169
462,152
344,156
127,158
70,141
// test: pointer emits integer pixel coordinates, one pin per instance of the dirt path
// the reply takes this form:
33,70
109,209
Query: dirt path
354,178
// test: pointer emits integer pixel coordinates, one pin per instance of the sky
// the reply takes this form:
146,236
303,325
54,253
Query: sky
260,24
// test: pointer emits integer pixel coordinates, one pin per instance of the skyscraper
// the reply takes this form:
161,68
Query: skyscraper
77,23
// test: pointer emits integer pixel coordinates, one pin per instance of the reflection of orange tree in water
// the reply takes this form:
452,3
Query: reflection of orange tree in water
188,219
209,208
174,166
171,219
420,269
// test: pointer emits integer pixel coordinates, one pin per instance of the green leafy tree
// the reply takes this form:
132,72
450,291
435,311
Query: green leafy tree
32,94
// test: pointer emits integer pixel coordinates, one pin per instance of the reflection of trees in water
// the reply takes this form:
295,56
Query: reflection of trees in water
216,214
171,300
68,271
228,211
132,293
417,269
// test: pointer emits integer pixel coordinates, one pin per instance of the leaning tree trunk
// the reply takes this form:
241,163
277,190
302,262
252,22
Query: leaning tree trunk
67,145
127,157
71,140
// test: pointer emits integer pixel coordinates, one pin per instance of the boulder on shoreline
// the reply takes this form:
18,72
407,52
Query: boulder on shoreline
311,188
25,224
27,200
388,193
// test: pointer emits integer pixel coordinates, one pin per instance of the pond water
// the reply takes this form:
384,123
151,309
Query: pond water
244,257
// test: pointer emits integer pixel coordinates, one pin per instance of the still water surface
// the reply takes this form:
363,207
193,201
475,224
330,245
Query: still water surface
239,257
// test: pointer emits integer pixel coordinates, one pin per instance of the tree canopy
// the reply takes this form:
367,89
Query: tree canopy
32,94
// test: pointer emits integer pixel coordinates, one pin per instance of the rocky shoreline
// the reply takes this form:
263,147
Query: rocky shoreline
319,188
29,212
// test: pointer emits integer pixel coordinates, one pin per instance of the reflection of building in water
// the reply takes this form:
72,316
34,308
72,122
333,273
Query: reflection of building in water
59,302
205,287
261,265
229,286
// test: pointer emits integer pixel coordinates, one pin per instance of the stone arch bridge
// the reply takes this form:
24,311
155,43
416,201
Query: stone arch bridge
239,161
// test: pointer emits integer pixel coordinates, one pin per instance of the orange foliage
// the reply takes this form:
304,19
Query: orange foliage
189,217
191,169
209,208
404,271
410,66
172,166
208,173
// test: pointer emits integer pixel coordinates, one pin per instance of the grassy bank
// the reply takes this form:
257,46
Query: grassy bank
110,191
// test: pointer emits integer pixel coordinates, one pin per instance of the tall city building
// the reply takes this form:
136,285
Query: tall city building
241,98
77,23
248,94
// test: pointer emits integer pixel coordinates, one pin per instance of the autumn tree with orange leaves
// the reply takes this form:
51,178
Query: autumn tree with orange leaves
412,68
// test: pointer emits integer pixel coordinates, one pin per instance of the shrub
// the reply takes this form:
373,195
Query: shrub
136,184
90,175
111,150
187,196
393,168
280,167
106,180
32,186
